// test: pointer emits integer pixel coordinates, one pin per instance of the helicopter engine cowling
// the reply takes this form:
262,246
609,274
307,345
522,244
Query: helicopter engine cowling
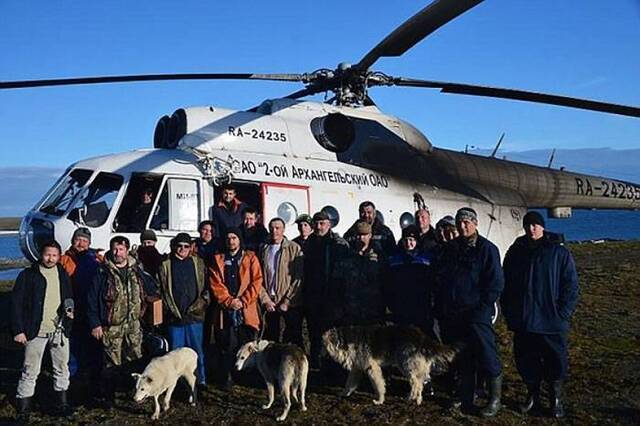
170,130
335,132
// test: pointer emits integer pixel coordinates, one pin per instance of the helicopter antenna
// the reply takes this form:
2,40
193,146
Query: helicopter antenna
553,154
495,150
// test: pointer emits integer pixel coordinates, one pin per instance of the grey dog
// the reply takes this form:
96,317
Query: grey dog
284,363
366,349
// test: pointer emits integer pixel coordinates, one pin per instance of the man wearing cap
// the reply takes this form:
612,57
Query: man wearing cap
185,297
382,235
147,254
305,229
427,238
356,283
469,281
81,263
409,284
235,279
540,295
281,294
116,303
323,250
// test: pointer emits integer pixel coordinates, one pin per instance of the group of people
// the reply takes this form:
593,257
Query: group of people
239,279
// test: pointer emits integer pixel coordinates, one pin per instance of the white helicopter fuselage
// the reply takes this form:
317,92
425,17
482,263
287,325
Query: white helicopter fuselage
275,156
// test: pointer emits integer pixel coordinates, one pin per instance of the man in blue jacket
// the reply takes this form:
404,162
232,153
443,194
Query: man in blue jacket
469,281
540,295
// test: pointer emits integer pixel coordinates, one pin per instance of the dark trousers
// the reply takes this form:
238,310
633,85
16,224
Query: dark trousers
292,326
85,352
479,353
228,341
317,324
541,356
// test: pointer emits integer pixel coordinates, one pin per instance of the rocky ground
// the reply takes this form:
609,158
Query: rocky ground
604,386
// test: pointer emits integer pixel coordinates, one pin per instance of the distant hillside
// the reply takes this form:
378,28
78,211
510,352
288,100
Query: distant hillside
619,164
22,187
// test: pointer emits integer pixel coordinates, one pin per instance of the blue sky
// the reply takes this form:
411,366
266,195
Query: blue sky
587,49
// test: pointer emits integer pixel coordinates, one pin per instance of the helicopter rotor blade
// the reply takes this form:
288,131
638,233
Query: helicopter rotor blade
151,77
519,95
416,28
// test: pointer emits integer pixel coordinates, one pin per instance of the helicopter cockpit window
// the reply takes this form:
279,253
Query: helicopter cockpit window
178,207
94,205
58,202
137,203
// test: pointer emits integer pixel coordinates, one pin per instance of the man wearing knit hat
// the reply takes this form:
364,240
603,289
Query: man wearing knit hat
540,295
409,283
470,281
147,254
81,263
235,279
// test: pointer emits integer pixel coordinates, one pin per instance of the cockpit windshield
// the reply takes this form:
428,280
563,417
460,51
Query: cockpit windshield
94,204
59,201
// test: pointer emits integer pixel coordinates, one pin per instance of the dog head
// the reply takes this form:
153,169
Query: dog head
246,354
144,387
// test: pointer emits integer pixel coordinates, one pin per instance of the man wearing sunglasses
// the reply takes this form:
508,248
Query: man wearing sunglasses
185,295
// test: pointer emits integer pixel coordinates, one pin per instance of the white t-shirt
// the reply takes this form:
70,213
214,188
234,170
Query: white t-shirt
271,267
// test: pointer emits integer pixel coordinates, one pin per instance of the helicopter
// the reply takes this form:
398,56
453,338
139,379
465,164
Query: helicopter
289,156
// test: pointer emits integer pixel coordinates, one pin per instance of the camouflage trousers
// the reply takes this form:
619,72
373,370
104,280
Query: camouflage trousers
122,343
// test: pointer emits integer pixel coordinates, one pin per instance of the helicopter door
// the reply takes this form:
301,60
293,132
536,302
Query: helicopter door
178,207
286,202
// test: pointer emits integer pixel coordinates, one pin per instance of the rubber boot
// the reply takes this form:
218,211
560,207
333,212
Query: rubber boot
495,395
466,392
62,409
555,399
533,398
23,407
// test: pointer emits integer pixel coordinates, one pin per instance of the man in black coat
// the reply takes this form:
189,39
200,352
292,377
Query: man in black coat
323,251
382,235
540,295
41,315
470,280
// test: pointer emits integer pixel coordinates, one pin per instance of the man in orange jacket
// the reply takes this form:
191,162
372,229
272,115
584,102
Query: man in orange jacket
235,279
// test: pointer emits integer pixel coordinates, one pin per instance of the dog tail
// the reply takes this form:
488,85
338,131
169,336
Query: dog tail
441,355
300,379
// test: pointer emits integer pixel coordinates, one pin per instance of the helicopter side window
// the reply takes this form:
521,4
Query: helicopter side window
94,205
178,207
69,186
137,203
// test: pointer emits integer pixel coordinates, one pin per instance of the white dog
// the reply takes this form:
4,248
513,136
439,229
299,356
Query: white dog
285,363
162,374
